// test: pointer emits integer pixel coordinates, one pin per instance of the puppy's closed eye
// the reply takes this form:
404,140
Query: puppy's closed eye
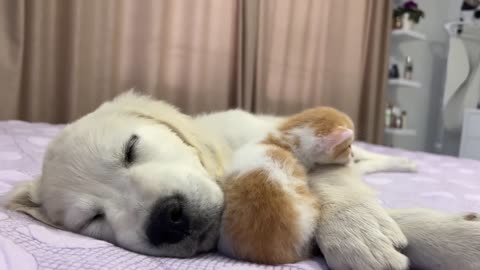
129,151
97,217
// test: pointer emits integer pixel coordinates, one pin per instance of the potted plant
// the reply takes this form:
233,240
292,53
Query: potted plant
407,15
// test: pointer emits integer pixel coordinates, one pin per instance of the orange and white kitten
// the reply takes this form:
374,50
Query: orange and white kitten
270,213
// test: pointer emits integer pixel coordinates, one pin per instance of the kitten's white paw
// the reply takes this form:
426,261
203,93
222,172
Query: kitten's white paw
402,164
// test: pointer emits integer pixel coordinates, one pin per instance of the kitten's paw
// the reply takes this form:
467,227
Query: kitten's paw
402,164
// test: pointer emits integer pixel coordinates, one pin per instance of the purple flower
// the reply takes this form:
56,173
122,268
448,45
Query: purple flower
410,5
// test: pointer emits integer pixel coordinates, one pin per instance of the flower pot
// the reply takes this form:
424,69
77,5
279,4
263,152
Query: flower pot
407,23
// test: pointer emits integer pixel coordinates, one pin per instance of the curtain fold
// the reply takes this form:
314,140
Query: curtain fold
323,53
61,59
246,53
12,19
374,82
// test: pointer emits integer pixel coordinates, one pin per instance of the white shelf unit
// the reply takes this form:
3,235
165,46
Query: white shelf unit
404,83
401,33
470,142
401,131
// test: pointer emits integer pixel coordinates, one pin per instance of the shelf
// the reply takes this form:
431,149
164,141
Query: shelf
401,131
404,82
393,60
409,34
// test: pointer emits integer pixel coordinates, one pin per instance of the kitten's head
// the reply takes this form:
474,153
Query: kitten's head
321,135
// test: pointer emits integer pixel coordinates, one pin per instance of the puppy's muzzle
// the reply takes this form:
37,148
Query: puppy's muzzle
168,223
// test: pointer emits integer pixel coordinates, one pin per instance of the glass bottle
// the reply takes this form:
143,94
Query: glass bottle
408,71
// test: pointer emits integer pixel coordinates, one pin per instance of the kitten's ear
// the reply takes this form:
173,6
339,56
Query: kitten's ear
338,136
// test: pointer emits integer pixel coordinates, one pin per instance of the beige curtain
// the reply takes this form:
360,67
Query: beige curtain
60,59
320,52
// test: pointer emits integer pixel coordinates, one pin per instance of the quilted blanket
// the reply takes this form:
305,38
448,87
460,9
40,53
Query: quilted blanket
445,183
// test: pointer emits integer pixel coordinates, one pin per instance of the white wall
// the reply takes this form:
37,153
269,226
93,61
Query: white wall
430,62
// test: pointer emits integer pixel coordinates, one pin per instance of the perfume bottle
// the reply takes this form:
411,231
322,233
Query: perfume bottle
404,119
388,115
397,22
393,72
398,122
396,117
408,71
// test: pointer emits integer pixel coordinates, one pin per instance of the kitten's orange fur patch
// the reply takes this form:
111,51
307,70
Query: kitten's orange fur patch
280,142
269,220
288,162
323,120
262,206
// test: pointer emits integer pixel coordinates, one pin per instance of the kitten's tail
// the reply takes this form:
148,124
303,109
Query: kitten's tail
440,241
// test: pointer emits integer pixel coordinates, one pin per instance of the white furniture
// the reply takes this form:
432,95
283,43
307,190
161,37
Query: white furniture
404,83
452,27
401,131
470,142
399,35
408,34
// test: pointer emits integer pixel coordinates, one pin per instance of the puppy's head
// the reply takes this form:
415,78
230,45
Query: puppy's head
135,172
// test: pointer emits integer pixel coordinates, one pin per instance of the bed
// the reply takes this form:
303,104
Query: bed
444,183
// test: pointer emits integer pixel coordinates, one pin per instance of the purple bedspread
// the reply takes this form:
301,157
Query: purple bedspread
444,183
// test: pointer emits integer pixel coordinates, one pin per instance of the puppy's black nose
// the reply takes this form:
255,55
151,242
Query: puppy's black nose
168,222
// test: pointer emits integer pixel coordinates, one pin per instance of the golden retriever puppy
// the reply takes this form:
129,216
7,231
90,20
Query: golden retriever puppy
138,173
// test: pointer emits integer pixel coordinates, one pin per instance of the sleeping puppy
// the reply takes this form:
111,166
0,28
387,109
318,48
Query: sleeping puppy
140,174
136,173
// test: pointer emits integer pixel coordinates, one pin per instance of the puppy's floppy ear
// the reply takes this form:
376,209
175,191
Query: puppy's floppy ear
23,198
211,151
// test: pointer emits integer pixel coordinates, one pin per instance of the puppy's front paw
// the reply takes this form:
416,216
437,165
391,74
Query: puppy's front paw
390,228
362,237
362,256
388,258
363,253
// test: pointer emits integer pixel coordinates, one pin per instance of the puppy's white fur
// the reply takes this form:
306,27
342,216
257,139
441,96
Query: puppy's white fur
359,233
438,240
352,219
83,173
